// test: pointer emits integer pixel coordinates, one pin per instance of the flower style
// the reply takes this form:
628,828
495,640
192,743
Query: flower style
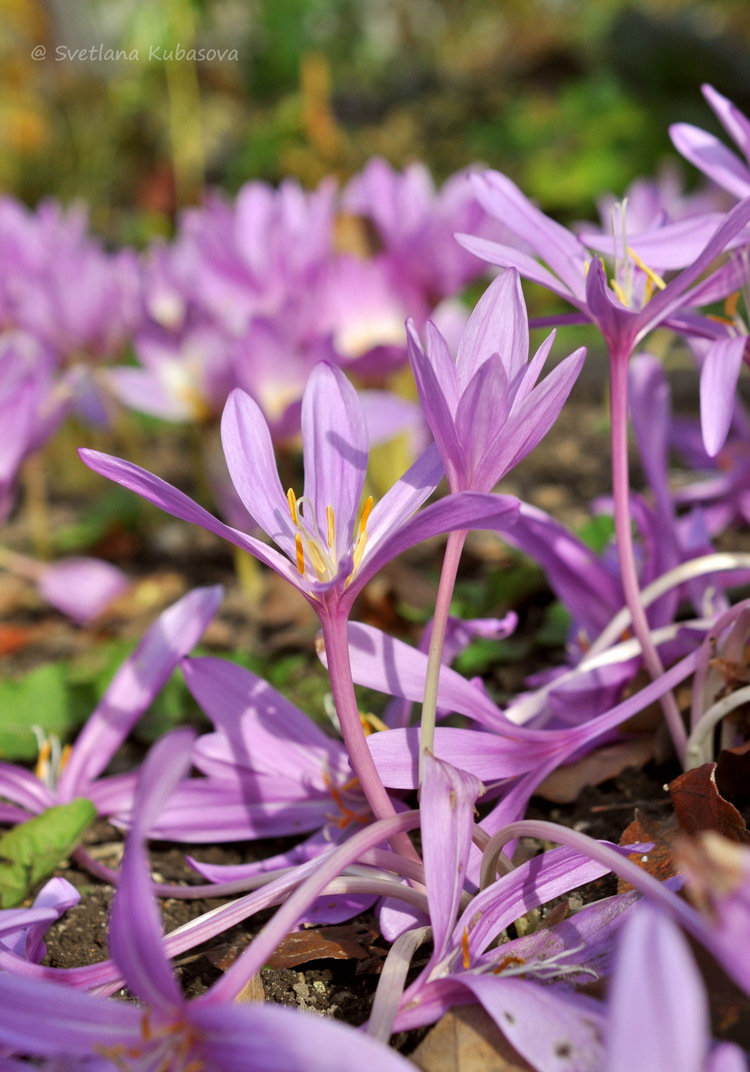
484,409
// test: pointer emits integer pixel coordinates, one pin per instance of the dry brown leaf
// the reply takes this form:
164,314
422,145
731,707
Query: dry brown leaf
323,943
658,861
252,991
704,798
466,1039
564,785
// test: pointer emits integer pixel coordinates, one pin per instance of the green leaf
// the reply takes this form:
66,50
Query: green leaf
598,532
40,698
31,851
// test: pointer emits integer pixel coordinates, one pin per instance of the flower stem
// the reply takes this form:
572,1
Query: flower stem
624,537
447,583
336,642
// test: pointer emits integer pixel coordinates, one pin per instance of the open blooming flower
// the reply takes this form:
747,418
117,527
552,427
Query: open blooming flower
330,545
626,308
484,409
165,1031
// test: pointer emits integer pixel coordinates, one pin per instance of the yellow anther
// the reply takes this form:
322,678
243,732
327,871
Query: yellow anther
331,520
359,550
365,515
730,305
371,723
300,554
292,500
508,961
655,279
42,763
317,560
618,291
465,955
65,756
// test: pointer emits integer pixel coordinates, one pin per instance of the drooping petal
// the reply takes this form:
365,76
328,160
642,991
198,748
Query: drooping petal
466,510
405,496
135,685
135,932
447,803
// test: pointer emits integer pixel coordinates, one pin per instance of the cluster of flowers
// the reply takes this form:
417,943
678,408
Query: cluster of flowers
268,770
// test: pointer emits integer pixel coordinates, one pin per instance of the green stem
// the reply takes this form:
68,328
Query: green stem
447,583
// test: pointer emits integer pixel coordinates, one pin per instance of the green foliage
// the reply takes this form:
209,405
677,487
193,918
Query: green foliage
31,851
40,698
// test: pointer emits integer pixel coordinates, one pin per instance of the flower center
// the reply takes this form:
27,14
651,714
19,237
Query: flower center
316,554
51,759
350,802
633,288
171,1047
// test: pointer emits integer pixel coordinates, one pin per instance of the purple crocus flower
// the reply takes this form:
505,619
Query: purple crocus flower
484,409
167,1031
329,546
416,223
132,689
624,312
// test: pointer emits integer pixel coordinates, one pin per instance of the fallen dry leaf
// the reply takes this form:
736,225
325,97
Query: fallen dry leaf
349,942
706,797
252,991
564,785
466,1039
658,861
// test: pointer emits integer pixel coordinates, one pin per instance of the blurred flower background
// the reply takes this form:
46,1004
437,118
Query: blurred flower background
567,97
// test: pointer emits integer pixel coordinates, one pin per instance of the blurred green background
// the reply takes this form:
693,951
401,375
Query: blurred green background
569,97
